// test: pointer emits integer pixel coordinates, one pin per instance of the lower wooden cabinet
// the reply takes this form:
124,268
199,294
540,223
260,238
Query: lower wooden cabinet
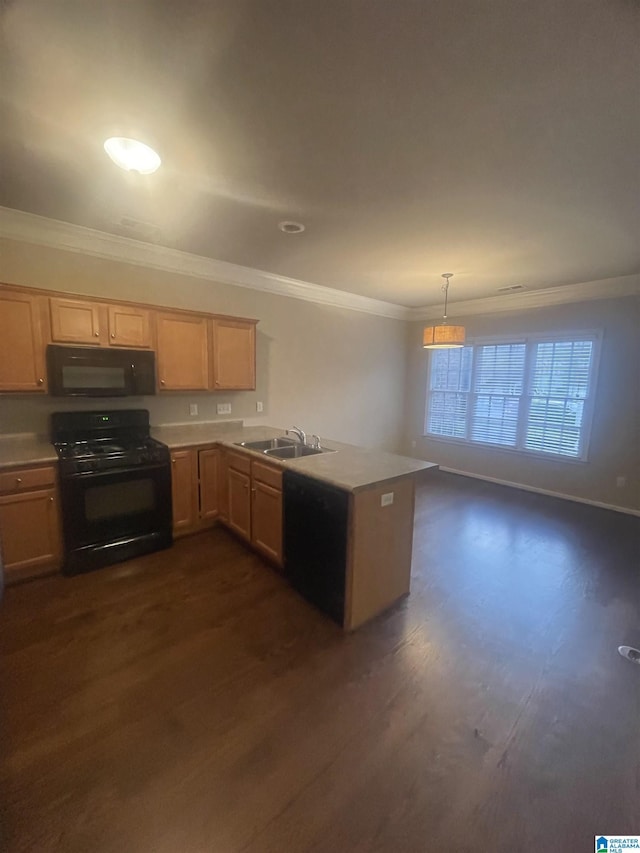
253,497
184,484
195,488
209,483
266,510
29,522
245,494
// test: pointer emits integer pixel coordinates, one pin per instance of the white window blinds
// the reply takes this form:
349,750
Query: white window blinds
532,395
560,386
498,384
449,392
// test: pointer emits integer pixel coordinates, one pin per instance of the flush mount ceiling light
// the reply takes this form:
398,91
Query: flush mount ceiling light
291,227
443,336
132,155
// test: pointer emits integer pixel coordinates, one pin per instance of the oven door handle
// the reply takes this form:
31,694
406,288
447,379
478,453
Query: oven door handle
83,475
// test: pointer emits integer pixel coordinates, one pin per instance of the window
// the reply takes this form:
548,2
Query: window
532,395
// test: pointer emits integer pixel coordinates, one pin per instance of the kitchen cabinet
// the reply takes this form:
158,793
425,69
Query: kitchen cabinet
129,326
75,321
238,494
182,352
266,510
195,488
252,503
209,483
22,344
234,354
29,522
184,484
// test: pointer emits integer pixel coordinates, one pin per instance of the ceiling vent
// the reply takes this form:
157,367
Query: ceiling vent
136,229
512,288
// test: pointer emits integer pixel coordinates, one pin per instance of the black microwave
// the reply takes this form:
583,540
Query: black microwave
98,372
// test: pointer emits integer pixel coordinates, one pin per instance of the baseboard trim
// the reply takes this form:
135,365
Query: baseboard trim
522,487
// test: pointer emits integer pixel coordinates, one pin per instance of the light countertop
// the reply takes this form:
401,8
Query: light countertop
350,467
26,449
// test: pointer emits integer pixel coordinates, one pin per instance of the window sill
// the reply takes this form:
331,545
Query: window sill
511,451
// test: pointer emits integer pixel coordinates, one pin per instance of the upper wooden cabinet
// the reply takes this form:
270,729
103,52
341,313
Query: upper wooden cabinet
129,326
22,345
183,352
194,352
76,322
234,354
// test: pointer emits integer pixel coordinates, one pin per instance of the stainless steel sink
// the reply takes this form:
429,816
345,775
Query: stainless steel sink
268,443
296,451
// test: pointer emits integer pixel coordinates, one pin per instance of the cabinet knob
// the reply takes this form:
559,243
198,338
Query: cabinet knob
217,382
174,461
162,381
113,334
96,334
40,381
51,500
18,481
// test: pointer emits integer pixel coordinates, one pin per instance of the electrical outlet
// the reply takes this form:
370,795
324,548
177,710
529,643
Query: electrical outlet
621,482
193,409
259,407
223,408
386,499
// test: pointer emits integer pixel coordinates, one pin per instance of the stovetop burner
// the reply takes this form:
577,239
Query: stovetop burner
89,442
99,448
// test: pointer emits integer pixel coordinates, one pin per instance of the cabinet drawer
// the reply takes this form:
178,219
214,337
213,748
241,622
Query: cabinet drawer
267,474
238,461
27,478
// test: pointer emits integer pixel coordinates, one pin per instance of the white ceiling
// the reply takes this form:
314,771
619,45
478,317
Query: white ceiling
496,139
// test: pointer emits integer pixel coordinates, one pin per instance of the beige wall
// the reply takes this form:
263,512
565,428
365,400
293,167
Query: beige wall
615,442
334,372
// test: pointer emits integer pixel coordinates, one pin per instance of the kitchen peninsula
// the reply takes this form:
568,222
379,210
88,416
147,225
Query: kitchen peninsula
354,567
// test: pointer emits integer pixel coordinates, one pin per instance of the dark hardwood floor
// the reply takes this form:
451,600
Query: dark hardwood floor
190,702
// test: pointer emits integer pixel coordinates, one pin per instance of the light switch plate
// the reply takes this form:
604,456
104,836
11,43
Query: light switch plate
193,409
386,499
259,407
223,408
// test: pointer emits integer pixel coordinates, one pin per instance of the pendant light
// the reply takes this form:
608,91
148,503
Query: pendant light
443,336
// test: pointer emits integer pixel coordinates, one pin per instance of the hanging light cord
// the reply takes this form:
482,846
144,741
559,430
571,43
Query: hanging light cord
446,276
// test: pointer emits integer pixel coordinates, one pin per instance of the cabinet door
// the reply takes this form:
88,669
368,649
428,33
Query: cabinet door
234,355
184,486
266,520
129,326
22,345
30,533
183,352
209,468
76,322
239,502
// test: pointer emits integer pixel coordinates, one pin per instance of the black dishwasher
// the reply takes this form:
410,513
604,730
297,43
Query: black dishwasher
315,541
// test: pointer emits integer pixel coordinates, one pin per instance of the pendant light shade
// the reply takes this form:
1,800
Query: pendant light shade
444,335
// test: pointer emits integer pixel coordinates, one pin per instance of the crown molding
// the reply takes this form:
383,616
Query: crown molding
604,288
39,230
53,233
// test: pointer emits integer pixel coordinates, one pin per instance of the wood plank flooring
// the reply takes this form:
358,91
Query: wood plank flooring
189,701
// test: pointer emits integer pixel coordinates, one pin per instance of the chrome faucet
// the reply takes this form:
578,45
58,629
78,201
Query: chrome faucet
316,441
302,436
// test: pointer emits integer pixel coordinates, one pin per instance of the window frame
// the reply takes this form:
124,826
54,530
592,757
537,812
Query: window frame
530,340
